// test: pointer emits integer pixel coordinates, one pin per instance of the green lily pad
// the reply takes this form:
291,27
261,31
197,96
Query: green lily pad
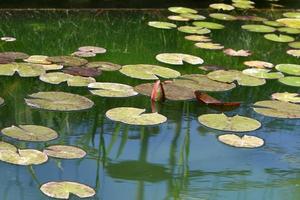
291,81
194,30
23,69
221,6
64,152
294,52
192,16
197,38
202,83
38,59
222,16
182,10
242,5
62,190
273,23
234,75
178,18
58,101
287,97
104,66
1,101
148,72
209,45
32,133
135,116
258,64
279,38
178,58
289,30
222,122
295,45
291,69
209,25
162,25
111,89
23,157
263,73
279,109
290,22
59,77
68,61
258,28
7,146
245,141
292,14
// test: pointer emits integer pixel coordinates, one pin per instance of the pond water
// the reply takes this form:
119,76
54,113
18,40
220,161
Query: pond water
179,159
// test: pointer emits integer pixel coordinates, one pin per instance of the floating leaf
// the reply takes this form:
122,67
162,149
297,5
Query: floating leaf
7,146
295,45
258,64
178,18
245,141
38,59
291,69
84,54
135,116
291,81
293,52
92,49
59,77
1,101
289,30
68,61
104,66
148,72
234,75
242,52
251,18
198,38
111,89
209,25
222,122
64,152
221,6
58,101
23,157
14,55
290,22
178,58
292,14
273,23
209,45
4,60
211,68
278,109
23,69
83,71
287,97
162,25
62,190
243,5
263,73
193,30
32,133
51,67
258,28
8,39
181,10
222,16
192,16
279,38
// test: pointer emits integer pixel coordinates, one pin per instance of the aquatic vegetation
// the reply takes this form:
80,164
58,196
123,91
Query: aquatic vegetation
107,89
258,28
162,25
23,156
242,52
222,16
67,61
279,38
245,141
23,69
194,30
262,73
221,6
59,77
104,66
83,71
64,152
258,64
182,10
198,38
287,97
209,45
209,25
291,81
178,58
291,69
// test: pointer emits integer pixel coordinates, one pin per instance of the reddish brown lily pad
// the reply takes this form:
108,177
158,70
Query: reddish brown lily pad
82,71
68,61
4,60
14,55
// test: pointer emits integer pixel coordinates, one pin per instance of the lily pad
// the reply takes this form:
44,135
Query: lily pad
51,67
68,61
279,38
23,157
38,59
295,45
291,69
14,55
178,18
273,23
111,89
222,16
178,58
258,28
198,38
287,97
58,101
241,53
294,52
64,152
83,54
23,69
59,77
289,30
209,25
292,14
290,22
82,71
104,66
245,141
135,116
7,146
258,64
92,49
234,75
242,5
251,18
192,16
194,30
224,123
279,109
291,81
182,10
4,60
221,6
1,101
263,73
62,190
148,72
162,25
8,39
32,133
209,45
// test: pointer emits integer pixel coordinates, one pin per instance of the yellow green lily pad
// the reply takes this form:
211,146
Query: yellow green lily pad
197,38
287,97
291,69
290,22
107,89
291,81
295,45
104,66
38,59
182,10
7,146
221,6
209,45
289,30
64,152
178,18
222,16
23,157
23,69
263,73
273,23
178,58
292,14
258,28
162,25
279,38
209,25
246,141
258,64
59,77
194,30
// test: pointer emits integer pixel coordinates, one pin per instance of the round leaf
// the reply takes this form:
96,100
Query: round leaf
209,25
59,77
295,45
291,69
258,28
258,64
287,97
178,58
222,16
104,66
209,45
198,38
92,49
279,38
23,69
181,10
290,22
111,89
245,141
7,146
291,81
293,52
38,59
23,157
289,30
193,30
64,152
221,6
263,73
162,25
